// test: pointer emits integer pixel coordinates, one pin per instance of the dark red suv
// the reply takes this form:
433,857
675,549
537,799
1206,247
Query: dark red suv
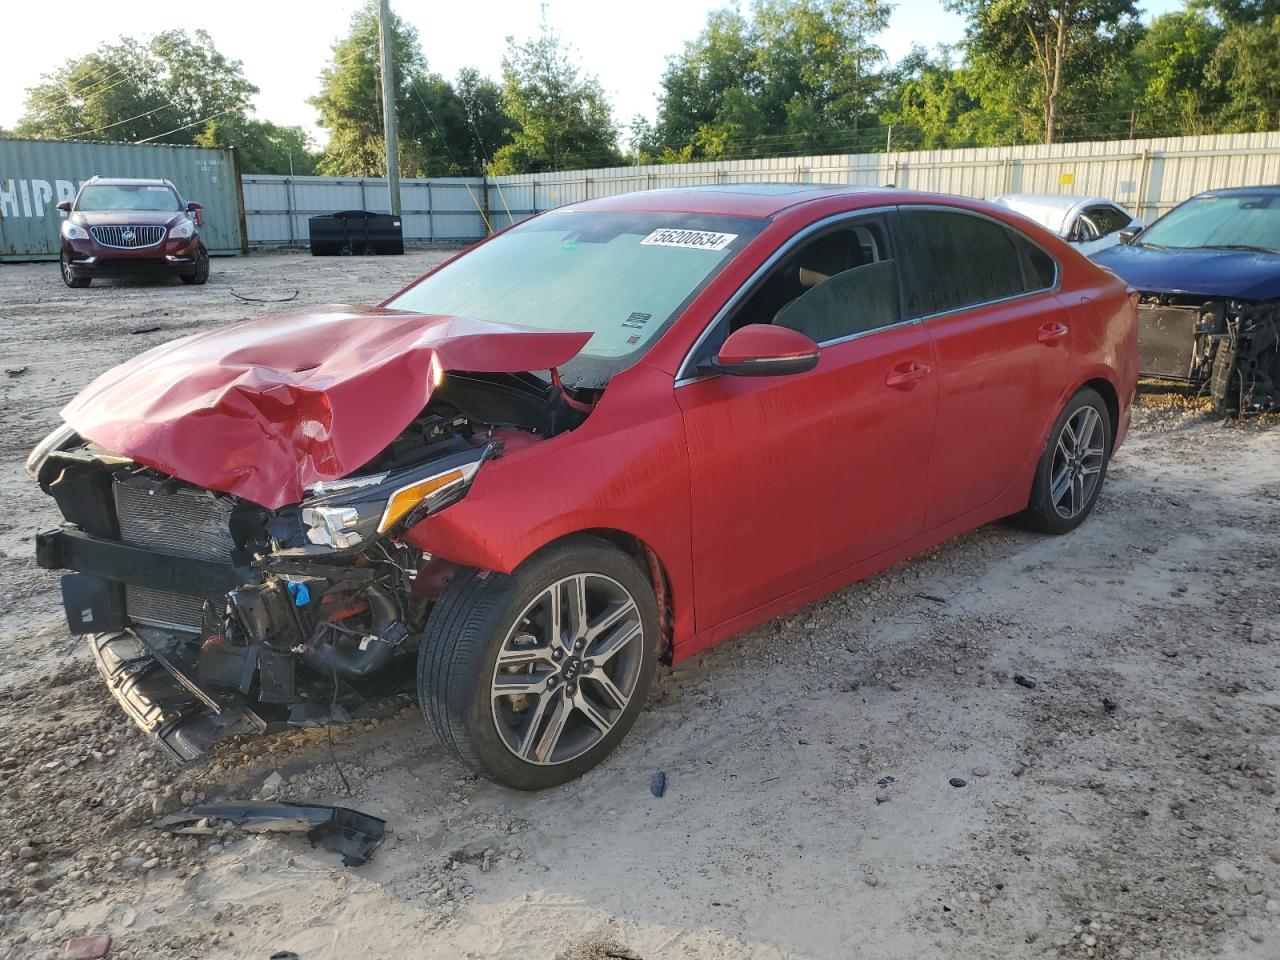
119,227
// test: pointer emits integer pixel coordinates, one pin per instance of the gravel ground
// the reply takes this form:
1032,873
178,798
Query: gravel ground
1109,700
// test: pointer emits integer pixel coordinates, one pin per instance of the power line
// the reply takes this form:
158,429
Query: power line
193,123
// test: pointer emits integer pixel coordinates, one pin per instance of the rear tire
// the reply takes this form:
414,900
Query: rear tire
76,283
571,702
1073,466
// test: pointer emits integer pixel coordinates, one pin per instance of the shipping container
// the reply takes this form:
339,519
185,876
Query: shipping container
36,174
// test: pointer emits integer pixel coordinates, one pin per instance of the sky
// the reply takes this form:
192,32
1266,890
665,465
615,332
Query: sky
284,43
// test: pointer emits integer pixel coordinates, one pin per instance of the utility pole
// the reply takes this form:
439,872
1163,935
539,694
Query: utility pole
389,106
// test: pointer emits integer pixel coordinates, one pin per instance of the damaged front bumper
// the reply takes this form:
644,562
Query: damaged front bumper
1231,348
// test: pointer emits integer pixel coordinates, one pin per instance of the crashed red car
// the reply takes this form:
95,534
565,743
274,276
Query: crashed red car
610,436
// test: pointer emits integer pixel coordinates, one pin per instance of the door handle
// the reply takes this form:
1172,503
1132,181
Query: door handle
1052,331
906,375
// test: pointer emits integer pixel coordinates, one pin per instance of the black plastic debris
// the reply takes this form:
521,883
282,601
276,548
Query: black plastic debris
1109,705
885,781
1022,680
932,597
959,782
658,785
15,371
351,834
148,329
284,955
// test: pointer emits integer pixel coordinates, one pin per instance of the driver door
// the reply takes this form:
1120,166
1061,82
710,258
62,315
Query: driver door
797,478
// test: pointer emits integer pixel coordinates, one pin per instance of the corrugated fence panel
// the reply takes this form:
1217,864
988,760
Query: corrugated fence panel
36,174
1148,176
277,207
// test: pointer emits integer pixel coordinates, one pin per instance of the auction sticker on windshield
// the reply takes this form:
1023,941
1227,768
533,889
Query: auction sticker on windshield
691,239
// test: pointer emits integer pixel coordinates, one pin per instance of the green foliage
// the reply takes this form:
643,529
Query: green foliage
560,117
166,90
445,129
264,147
795,76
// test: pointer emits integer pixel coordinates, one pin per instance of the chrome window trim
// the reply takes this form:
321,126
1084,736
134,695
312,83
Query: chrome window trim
685,373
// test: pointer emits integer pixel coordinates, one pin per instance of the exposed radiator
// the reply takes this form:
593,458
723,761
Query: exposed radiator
184,521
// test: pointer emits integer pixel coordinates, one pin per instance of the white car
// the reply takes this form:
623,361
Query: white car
1090,224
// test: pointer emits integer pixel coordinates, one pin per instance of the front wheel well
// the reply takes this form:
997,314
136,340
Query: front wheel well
649,562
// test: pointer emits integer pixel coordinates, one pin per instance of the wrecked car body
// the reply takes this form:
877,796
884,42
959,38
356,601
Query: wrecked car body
1208,277
611,436
273,550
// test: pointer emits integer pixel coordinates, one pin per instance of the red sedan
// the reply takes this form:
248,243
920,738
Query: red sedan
612,435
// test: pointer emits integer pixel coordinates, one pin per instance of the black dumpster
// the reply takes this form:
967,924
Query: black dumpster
355,232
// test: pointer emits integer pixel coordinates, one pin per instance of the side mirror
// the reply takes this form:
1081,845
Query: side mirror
195,208
763,350
64,206
1128,236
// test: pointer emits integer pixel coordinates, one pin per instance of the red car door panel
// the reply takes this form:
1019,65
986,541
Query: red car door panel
1000,367
796,477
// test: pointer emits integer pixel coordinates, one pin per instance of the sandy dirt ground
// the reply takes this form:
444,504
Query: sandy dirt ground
1122,805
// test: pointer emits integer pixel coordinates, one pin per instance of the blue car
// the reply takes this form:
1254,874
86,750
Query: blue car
1208,274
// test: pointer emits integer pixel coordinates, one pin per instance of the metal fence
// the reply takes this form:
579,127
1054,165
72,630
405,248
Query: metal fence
448,210
1147,176
35,175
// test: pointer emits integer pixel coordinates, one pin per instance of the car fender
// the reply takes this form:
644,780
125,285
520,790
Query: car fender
625,469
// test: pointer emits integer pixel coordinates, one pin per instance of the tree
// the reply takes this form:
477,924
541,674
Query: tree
1171,64
264,147
1066,45
560,117
168,90
797,75
350,97
438,121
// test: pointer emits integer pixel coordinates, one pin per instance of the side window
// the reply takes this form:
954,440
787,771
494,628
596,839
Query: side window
841,282
960,260
1105,219
1039,269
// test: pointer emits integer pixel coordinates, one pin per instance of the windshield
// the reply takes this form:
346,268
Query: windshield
623,276
134,196
1231,221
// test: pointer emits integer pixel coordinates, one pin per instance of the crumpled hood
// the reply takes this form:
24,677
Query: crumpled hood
265,408
1240,274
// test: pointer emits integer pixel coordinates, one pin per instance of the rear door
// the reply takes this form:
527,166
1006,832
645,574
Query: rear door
986,296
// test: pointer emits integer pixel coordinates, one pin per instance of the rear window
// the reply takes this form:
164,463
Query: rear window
961,260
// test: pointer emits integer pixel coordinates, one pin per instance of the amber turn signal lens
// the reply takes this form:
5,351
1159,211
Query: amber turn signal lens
406,498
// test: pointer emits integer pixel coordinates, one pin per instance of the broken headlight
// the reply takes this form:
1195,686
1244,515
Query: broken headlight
58,438
350,512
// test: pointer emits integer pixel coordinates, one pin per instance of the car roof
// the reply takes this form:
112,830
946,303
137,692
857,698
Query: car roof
734,199
129,182
1269,190
1051,210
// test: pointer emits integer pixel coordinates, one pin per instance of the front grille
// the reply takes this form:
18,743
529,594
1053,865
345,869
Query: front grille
192,523
127,238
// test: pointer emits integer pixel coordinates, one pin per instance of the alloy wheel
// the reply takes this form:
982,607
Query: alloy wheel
1077,462
567,669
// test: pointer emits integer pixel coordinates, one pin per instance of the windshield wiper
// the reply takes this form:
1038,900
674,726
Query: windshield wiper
1241,246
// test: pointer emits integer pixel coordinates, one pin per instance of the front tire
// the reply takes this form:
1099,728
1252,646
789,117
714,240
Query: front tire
532,679
76,283
201,274
1073,466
